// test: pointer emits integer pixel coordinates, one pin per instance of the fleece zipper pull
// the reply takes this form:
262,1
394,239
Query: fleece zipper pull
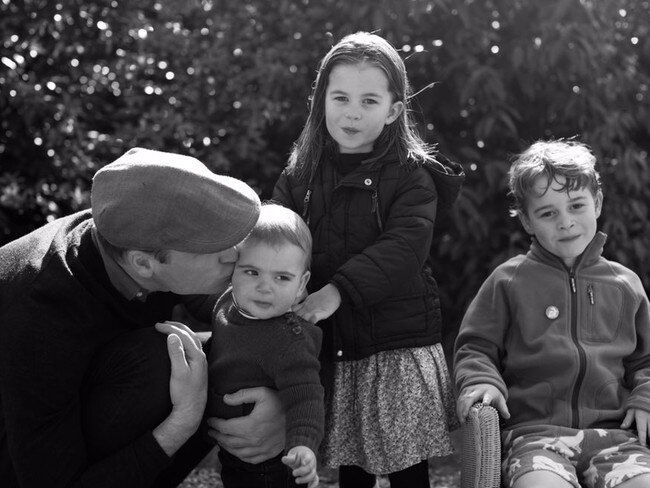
572,279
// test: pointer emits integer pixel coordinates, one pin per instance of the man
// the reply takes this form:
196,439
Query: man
89,393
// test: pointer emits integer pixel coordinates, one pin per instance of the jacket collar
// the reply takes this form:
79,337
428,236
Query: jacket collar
589,256
119,278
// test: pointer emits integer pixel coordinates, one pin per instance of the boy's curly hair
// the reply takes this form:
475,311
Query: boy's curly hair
571,159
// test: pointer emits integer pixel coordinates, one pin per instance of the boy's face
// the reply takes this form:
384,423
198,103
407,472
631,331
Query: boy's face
268,279
563,223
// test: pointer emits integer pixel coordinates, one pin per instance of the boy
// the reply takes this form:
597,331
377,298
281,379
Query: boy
257,340
562,335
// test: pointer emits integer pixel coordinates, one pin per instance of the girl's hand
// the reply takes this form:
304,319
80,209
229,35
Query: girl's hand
484,393
302,461
320,304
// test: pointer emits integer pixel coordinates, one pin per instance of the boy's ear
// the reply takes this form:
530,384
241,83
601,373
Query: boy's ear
598,201
394,112
525,222
140,262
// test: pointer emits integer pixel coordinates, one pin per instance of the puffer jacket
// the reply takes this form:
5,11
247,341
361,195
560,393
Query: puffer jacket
372,232
565,347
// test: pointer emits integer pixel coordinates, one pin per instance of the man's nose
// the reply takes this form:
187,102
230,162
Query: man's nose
229,255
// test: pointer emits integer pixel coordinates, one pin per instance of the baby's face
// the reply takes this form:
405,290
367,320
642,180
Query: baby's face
267,279
563,223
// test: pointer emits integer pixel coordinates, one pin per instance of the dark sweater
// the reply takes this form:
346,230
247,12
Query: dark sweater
280,353
57,309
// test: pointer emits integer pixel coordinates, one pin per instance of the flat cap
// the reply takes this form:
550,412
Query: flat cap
152,200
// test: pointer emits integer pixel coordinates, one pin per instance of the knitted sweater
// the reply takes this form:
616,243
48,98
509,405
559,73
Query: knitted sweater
280,353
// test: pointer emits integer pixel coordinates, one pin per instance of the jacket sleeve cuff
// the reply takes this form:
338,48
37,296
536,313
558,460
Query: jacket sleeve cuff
345,298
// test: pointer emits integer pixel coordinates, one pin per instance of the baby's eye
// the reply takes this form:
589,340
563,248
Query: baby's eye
250,272
283,278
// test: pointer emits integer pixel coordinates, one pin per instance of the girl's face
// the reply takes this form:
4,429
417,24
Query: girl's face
358,104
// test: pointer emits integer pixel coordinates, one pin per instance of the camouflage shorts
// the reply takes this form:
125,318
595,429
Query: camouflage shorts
597,458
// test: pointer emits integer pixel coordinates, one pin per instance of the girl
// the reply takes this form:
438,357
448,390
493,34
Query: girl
369,189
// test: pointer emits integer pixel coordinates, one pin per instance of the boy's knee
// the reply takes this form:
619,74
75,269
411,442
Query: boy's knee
542,479
640,481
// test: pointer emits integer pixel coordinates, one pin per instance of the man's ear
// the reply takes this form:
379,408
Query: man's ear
394,112
140,262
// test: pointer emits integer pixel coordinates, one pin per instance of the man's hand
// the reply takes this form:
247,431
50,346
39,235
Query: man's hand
320,304
642,420
258,436
484,393
187,386
302,461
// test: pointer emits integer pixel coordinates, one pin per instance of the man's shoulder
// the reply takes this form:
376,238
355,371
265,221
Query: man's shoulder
40,240
24,258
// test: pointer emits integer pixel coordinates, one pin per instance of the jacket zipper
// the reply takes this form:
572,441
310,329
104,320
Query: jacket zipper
305,206
575,415
375,210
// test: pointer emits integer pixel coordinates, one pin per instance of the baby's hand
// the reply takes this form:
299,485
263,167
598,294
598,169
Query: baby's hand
642,420
484,393
302,461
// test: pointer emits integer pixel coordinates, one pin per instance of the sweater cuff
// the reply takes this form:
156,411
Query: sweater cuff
157,459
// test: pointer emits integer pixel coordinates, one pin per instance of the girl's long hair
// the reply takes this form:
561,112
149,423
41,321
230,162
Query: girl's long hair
400,136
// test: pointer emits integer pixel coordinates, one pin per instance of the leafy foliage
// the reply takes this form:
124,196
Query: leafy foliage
229,81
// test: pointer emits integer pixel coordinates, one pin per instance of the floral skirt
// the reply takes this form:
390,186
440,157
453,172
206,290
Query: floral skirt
389,411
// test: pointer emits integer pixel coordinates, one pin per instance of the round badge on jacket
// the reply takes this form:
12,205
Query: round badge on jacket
552,312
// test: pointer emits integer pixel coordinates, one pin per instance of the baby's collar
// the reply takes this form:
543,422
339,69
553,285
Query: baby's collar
241,311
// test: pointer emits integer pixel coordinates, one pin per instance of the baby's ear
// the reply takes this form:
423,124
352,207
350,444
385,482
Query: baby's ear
304,279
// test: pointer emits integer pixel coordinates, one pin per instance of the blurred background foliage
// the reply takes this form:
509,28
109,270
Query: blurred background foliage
228,81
